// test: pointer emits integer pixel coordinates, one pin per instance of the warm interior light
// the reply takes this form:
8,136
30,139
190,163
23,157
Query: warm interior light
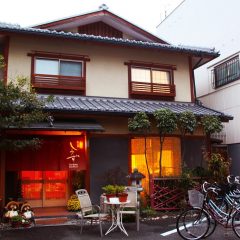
80,144
52,182
47,133
32,191
171,157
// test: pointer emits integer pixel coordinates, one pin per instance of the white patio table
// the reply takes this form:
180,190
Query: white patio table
116,206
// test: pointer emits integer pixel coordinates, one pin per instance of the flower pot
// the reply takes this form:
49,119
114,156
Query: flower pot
122,197
16,224
26,225
110,195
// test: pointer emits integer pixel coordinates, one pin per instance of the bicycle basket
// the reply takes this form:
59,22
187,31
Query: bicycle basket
195,198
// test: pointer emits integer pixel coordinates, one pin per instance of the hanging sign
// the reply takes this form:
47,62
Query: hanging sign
73,158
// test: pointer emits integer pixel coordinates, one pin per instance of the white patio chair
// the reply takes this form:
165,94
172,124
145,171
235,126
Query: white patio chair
133,206
89,211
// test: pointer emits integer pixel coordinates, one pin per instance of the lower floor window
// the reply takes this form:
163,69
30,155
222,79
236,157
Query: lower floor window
171,157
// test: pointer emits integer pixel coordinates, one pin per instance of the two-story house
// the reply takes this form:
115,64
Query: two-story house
101,70
217,82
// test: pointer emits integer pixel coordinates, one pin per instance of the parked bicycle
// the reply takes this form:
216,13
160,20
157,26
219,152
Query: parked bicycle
200,220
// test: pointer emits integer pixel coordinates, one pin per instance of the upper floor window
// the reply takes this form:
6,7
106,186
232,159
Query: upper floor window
226,72
58,67
150,76
58,72
148,80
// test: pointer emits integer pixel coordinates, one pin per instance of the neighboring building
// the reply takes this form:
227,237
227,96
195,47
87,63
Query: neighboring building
213,23
101,70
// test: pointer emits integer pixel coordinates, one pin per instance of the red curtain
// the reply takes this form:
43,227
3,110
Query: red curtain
53,155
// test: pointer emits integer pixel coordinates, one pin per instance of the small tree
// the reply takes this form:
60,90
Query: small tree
187,123
218,167
18,108
140,123
166,124
211,124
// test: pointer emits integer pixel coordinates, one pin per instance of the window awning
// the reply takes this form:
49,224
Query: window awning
65,126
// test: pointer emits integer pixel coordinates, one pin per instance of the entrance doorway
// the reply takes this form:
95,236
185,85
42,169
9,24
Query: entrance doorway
43,177
45,188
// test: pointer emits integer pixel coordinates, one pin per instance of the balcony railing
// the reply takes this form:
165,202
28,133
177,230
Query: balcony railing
165,90
58,82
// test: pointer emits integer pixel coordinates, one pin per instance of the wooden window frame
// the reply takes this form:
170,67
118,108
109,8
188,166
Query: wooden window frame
151,90
48,83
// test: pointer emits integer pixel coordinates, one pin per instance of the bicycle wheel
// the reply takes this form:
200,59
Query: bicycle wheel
236,223
193,224
212,226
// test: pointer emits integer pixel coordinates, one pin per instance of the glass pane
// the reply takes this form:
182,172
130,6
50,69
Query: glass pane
55,191
161,77
233,70
171,157
68,68
141,75
32,191
55,175
46,66
31,175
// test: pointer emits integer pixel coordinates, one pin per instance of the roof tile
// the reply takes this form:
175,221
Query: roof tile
128,42
85,104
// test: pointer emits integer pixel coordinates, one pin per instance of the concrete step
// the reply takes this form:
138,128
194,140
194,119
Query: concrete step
52,221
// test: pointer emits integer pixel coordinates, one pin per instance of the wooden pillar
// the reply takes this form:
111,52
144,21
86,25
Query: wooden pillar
2,177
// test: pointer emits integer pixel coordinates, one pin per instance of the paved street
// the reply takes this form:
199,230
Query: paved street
148,230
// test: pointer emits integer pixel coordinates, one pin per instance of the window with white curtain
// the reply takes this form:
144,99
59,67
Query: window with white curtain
149,75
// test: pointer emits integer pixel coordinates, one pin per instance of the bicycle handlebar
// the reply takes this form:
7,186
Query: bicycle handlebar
212,188
231,179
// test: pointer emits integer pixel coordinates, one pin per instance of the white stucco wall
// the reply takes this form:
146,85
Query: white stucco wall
106,73
210,24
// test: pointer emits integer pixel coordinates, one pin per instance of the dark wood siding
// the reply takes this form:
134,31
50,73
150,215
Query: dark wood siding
100,29
107,153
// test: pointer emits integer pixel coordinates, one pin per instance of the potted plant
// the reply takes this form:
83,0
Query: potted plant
16,221
73,204
110,191
115,191
121,194
25,223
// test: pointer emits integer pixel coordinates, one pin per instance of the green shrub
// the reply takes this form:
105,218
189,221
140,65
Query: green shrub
148,212
73,203
113,189
109,189
17,218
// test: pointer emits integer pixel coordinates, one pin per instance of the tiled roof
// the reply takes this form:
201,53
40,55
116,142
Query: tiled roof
118,41
83,104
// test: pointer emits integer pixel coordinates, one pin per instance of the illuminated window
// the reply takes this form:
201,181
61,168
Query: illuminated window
32,191
31,175
55,190
55,175
152,80
47,184
148,75
171,157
